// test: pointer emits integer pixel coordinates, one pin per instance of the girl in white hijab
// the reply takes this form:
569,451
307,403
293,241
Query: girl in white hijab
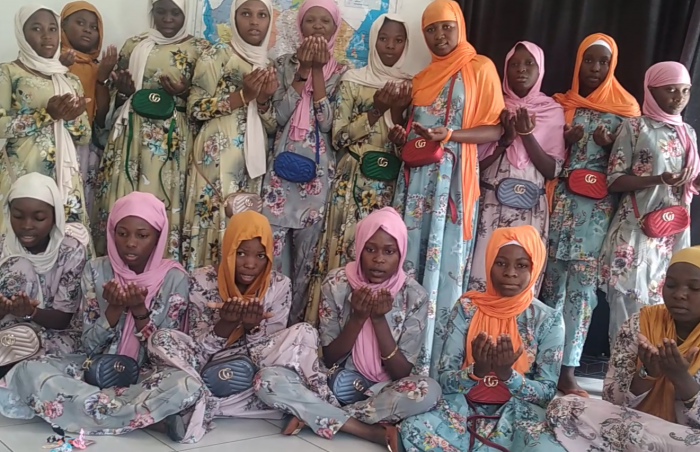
142,153
231,93
368,125
40,266
46,113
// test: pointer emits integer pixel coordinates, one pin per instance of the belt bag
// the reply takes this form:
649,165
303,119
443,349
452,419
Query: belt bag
516,193
229,376
420,152
348,386
17,343
296,168
379,165
153,104
489,391
109,371
662,222
588,183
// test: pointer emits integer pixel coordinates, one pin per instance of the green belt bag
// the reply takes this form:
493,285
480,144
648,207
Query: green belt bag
379,165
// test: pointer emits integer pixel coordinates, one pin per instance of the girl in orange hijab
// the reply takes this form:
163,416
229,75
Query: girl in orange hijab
582,210
484,343
457,103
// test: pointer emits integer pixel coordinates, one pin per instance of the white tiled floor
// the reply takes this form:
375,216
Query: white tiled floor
237,434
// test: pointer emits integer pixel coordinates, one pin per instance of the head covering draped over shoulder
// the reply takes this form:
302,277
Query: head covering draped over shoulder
365,353
43,188
483,100
656,324
66,157
496,314
300,118
139,56
255,135
549,114
151,209
672,73
85,66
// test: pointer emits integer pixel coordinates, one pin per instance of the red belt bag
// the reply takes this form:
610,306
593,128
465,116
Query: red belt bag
489,391
588,183
662,222
419,151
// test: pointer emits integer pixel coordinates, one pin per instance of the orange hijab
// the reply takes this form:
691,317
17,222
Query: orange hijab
483,98
85,66
496,314
609,97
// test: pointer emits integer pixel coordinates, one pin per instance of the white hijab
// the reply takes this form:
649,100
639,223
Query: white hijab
376,74
140,54
43,188
66,158
255,148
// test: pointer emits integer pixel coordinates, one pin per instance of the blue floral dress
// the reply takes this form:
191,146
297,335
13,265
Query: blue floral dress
522,425
577,229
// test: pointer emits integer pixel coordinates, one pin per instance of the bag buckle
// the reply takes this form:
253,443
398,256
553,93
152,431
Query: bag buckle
333,369
86,365
357,384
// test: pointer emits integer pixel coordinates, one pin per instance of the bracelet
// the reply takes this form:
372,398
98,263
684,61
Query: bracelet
448,136
690,401
255,330
392,354
662,180
527,133
146,316
243,97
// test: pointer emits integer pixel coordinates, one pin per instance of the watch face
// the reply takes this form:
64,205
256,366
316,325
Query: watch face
643,372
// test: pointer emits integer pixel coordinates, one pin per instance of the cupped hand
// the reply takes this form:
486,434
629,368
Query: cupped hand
67,58
22,305
361,303
125,83
110,292
107,63
269,86
430,134
306,52
253,83
481,352
382,304
525,122
649,356
573,134
398,135
504,357
508,124
174,88
133,295
603,137
321,55
672,362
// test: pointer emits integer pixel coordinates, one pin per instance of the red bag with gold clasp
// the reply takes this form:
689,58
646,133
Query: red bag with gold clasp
489,391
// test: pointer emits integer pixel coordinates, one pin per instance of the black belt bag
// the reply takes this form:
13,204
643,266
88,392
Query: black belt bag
229,375
111,371
516,193
348,386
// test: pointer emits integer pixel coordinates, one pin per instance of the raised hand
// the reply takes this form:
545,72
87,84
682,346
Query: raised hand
649,356
110,293
361,302
382,302
174,88
22,305
383,97
269,85
398,135
603,137
573,134
253,83
305,53
430,134
133,295
509,131
321,55
67,58
503,357
672,363
253,313
125,83
525,123
481,352
107,64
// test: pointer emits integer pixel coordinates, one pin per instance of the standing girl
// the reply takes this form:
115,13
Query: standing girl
295,190
594,108
654,164
530,152
231,92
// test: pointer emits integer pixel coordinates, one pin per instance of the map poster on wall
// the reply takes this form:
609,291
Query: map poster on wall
352,42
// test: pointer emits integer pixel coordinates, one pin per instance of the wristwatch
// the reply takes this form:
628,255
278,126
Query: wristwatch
643,374
146,316
255,330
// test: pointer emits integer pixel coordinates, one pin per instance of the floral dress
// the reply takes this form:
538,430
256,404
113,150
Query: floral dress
58,289
156,159
295,348
389,401
577,229
612,424
28,129
52,387
437,256
521,424
296,211
353,195
632,265
218,155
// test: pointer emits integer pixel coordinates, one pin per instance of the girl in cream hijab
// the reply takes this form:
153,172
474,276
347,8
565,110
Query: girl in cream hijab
230,151
144,154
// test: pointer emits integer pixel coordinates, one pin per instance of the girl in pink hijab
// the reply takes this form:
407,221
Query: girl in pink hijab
515,169
654,165
295,188
372,322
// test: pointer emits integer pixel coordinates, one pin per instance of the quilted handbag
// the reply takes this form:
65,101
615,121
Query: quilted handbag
379,165
296,168
229,376
17,343
240,202
153,104
110,371
516,193
348,386
489,391
587,183
662,222
419,151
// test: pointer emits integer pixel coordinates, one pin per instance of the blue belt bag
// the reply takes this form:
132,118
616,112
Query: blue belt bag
296,168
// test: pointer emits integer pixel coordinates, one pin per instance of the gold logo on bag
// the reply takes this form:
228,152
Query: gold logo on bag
590,179
519,189
667,216
420,144
119,367
8,341
382,162
225,374
154,97
357,384
491,381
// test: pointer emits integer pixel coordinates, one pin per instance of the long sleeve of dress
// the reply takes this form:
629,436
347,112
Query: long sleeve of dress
97,333
413,332
17,121
68,295
623,365
622,155
324,113
452,378
350,124
329,317
210,91
279,303
79,128
202,318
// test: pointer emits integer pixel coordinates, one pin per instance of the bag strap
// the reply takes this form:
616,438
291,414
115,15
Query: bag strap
6,160
206,179
318,139
447,108
129,138
634,206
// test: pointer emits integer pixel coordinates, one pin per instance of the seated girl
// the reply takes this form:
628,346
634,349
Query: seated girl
239,311
501,359
128,296
372,323
40,266
653,381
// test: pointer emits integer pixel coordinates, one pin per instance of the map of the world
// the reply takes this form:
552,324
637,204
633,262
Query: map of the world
352,42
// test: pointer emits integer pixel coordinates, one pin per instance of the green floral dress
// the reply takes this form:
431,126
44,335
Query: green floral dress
150,164
218,157
28,129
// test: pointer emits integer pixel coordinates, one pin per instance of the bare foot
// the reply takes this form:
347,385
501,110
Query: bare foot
568,384
373,433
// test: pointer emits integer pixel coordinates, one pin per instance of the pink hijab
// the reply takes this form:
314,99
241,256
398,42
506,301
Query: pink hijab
671,73
365,353
151,209
549,116
300,118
